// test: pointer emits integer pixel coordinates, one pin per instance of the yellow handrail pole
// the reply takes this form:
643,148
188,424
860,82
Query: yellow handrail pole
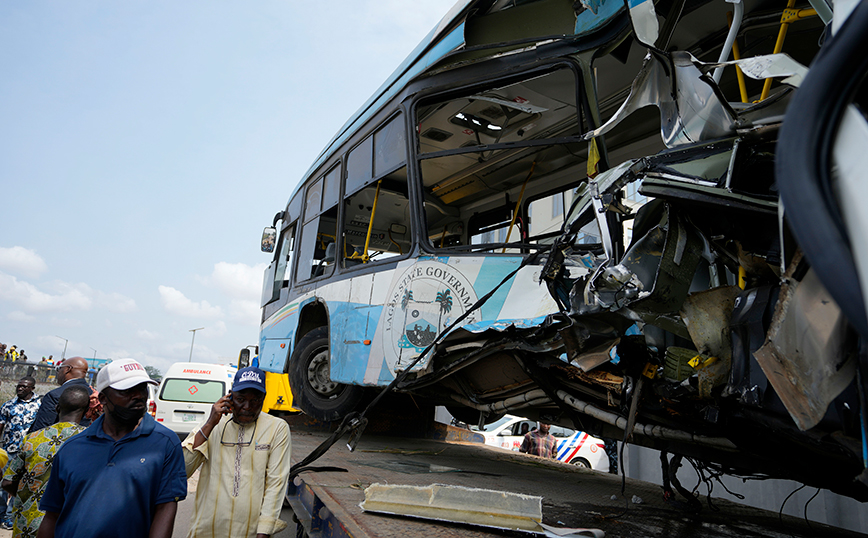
365,258
518,204
779,45
736,55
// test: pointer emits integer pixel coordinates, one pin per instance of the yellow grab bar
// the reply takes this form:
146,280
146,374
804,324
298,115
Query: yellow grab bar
789,15
365,257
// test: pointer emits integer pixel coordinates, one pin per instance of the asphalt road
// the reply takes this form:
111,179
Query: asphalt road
185,514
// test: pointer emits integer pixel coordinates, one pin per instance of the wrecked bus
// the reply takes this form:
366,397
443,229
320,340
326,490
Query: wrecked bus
575,211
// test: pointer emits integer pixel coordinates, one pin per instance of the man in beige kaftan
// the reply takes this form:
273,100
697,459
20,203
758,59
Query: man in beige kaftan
244,460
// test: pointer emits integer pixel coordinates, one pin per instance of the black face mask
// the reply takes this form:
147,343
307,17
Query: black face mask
125,415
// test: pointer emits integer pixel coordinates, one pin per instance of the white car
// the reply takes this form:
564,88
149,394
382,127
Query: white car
574,447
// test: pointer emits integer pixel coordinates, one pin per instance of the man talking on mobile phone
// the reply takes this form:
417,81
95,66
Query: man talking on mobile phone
244,456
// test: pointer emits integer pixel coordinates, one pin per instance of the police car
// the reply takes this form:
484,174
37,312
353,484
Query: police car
575,447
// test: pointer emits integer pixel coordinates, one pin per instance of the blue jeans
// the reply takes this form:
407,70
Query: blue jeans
4,501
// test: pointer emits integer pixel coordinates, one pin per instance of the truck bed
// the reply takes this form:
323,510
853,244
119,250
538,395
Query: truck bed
327,503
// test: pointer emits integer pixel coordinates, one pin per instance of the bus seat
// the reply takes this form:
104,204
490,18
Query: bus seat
329,253
328,259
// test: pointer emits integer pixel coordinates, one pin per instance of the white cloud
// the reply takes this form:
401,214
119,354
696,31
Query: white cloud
237,280
57,296
18,315
32,299
203,354
147,335
22,262
169,354
246,312
115,302
176,302
216,329
65,322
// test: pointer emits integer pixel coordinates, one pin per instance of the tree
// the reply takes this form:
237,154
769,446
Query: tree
154,373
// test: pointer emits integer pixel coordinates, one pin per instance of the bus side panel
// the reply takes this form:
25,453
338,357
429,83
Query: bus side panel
353,325
274,353
426,295
349,341
279,330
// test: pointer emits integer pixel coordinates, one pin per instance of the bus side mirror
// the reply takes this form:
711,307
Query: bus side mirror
244,358
269,236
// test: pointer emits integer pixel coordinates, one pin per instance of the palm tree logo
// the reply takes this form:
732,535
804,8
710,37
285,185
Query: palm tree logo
444,298
405,300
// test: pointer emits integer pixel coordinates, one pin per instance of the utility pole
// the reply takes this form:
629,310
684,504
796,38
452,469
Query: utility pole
63,355
194,340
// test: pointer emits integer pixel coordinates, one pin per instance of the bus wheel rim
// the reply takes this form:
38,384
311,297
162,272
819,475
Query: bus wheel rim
318,374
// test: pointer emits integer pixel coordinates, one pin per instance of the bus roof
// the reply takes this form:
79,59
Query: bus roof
445,38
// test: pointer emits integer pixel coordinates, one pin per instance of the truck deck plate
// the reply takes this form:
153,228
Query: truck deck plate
327,503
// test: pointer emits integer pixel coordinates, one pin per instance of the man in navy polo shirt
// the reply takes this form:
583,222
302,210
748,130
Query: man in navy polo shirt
123,475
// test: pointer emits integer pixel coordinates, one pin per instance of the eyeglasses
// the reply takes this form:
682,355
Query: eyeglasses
242,443
62,366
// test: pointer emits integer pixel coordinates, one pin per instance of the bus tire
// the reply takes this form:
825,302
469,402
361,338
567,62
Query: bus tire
312,390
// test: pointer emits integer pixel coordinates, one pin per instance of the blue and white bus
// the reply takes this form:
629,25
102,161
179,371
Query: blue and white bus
634,300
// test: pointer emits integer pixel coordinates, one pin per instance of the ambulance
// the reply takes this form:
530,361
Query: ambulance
187,392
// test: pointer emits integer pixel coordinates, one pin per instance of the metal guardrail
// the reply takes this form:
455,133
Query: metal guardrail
15,370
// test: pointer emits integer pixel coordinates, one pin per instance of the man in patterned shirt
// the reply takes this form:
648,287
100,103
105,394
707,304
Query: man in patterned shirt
28,471
16,416
540,442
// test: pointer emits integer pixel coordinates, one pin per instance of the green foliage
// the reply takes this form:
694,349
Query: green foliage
154,372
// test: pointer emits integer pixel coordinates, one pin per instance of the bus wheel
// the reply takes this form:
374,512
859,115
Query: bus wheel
313,391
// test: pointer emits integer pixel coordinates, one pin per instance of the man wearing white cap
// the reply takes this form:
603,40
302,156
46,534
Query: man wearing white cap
123,475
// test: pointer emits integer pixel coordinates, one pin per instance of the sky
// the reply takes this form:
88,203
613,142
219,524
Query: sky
145,145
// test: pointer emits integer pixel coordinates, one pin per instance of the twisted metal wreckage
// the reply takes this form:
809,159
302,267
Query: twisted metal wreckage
658,340
714,321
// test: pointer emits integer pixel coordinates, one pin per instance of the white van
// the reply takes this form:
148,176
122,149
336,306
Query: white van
187,392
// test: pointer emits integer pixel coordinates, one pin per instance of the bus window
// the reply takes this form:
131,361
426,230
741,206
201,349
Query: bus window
318,233
360,166
390,146
479,156
331,187
546,215
284,261
378,215
390,232
492,227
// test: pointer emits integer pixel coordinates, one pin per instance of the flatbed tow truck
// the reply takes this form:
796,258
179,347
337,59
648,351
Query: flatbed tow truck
703,293
401,452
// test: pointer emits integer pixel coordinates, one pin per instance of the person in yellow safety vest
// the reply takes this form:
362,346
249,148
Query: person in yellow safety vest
12,355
